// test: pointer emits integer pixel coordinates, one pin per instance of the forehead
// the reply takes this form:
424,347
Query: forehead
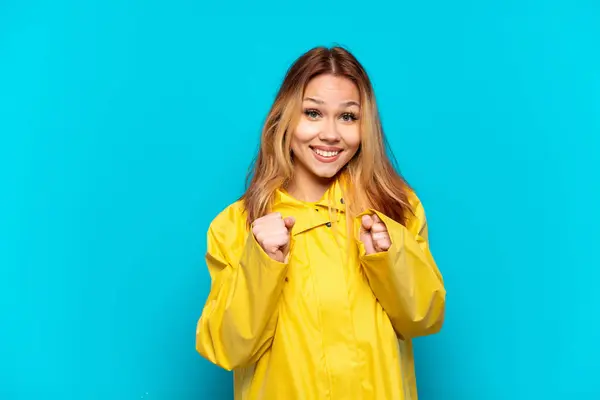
332,88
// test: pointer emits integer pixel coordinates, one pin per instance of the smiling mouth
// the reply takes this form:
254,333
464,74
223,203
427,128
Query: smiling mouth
325,153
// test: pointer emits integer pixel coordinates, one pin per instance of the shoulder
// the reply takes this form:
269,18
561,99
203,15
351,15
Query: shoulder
416,218
414,201
229,225
234,212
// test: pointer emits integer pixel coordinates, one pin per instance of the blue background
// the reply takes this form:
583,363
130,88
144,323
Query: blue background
127,125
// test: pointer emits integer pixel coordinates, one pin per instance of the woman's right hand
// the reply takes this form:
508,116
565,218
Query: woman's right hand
272,232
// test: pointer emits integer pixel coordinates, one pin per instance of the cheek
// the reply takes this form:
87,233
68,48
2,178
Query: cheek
352,138
305,132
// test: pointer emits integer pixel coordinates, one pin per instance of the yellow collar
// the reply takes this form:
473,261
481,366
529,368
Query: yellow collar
309,215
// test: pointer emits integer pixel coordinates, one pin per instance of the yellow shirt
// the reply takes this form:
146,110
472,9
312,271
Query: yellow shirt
328,324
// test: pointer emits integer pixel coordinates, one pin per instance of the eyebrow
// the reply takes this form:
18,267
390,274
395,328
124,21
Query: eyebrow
344,103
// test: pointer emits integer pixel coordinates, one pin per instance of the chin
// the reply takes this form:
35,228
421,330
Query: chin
326,174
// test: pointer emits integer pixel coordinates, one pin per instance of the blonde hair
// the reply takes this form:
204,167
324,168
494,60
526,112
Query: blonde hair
369,180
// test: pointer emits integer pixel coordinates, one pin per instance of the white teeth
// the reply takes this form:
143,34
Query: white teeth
326,153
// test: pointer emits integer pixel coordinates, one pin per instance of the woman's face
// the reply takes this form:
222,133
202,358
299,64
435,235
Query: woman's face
328,134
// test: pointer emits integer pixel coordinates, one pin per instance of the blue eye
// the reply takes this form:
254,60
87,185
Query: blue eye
349,117
312,114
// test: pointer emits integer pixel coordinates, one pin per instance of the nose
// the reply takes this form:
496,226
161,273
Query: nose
330,133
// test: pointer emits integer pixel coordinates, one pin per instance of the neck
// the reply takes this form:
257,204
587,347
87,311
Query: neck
308,188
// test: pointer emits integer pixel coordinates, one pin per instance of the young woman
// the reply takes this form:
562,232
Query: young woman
321,273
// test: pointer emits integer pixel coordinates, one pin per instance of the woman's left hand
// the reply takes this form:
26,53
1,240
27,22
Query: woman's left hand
374,234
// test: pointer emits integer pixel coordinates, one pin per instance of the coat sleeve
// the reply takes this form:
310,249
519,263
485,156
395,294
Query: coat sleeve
405,279
240,315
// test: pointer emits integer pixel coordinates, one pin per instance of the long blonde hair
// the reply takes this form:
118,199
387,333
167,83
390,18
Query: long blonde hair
369,180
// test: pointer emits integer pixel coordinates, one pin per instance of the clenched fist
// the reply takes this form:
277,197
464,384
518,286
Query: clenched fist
272,232
374,234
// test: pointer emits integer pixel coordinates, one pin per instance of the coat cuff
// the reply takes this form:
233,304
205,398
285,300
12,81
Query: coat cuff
256,252
391,226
